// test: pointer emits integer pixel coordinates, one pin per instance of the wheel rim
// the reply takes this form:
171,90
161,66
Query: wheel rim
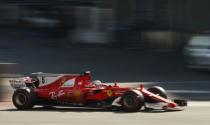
21,99
129,100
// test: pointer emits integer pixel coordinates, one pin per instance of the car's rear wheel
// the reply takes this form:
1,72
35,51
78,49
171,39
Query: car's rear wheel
23,100
132,101
157,90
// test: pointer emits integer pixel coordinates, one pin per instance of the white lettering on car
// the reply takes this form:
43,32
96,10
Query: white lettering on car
55,95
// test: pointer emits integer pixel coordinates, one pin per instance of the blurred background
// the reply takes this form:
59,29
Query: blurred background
118,40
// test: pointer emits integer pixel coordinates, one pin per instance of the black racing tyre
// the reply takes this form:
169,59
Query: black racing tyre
23,100
132,101
158,91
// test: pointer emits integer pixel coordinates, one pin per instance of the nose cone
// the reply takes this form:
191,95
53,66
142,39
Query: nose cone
172,105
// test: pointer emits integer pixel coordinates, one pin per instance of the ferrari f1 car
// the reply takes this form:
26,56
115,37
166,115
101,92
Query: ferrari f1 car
49,89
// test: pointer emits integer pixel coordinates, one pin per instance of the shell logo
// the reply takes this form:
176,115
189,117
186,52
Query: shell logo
109,92
78,95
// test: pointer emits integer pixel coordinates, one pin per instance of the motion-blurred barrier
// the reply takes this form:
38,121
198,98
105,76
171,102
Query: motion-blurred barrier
7,70
165,39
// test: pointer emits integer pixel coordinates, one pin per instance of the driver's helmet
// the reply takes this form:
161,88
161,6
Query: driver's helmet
97,82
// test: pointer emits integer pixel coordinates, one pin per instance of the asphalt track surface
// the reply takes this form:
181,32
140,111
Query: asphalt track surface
196,113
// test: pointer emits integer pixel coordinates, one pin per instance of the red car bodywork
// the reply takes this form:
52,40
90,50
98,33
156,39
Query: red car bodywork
78,89
83,90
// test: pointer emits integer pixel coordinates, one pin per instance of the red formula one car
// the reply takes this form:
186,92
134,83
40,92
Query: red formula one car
49,89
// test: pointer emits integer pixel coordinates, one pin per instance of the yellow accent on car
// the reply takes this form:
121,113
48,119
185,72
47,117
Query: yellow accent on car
109,92
69,94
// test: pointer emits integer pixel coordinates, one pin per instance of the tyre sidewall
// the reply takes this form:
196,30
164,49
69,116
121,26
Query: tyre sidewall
138,101
29,99
158,91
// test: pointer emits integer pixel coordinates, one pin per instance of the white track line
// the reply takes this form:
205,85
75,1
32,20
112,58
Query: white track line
189,91
198,103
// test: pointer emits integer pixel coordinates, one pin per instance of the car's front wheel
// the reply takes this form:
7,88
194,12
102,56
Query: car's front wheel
132,101
157,90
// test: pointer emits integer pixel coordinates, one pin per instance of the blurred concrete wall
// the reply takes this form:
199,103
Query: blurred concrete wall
165,40
92,25
137,23
7,71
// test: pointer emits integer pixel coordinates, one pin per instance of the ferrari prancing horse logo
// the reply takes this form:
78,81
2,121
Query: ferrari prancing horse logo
109,92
